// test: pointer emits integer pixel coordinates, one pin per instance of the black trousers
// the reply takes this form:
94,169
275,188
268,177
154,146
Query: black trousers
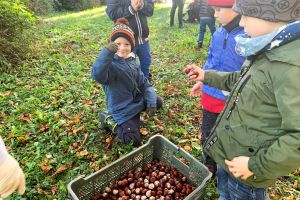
208,121
130,130
175,4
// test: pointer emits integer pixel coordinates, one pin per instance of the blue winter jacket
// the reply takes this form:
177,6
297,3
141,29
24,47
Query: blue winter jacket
127,90
222,57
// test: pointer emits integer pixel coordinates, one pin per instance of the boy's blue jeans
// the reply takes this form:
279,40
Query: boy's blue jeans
206,21
143,52
230,188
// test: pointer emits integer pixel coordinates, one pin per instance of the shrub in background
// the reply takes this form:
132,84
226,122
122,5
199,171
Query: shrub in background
42,7
16,22
80,4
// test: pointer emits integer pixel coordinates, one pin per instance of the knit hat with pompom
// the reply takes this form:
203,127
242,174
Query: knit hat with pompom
122,29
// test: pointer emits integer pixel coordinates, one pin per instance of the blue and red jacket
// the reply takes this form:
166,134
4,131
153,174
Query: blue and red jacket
223,57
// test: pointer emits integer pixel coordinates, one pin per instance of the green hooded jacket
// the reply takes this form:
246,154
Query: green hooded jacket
261,118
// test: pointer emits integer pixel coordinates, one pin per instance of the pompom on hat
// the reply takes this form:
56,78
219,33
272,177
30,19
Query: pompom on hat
269,10
122,29
219,3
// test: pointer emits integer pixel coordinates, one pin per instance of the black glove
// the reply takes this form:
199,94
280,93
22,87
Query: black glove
151,111
112,47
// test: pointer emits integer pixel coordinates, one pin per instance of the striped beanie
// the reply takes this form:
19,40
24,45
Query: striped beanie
122,29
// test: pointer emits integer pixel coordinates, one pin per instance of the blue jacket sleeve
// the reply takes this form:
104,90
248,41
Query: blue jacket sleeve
102,67
117,9
148,8
148,91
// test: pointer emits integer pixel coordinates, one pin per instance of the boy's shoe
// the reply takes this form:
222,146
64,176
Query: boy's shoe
199,45
107,122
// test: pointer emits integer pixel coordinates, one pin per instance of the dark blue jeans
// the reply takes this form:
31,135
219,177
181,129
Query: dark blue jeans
206,21
230,188
143,52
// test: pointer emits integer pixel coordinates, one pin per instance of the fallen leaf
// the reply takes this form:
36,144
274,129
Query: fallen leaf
82,153
60,170
187,147
7,93
25,118
45,167
78,130
108,140
76,118
295,186
41,191
65,114
144,131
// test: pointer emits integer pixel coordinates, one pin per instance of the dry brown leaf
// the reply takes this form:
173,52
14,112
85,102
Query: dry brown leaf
78,130
44,127
82,153
45,167
108,140
25,118
7,93
295,186
76,118
187,148
65,114
56,116
60,170
41,191
144,131
171,114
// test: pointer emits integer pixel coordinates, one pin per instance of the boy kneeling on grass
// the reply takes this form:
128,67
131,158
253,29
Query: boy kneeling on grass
256,138
128,92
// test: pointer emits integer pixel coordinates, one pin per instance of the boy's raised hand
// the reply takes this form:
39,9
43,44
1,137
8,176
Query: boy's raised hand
112,47
194,72
238,166
196,90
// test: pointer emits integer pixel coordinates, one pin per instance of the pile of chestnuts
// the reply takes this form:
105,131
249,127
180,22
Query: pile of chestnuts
154,181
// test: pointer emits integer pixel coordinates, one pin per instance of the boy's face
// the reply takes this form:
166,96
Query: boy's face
224,15
255,27
124,47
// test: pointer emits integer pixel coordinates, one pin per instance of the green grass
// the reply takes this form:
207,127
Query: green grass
49,106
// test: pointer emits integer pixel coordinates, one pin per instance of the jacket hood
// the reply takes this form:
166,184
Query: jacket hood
288,53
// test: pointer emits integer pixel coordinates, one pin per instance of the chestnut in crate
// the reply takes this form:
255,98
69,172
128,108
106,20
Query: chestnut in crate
154,181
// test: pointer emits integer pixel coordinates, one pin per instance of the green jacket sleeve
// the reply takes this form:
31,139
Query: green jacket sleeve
283,155
221,80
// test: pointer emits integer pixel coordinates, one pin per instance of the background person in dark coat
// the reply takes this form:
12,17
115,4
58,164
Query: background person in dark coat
136,12
206,19
175,4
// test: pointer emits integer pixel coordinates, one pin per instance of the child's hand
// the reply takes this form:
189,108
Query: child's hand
196,90
135,4
238,166
112,47
194,72
151,111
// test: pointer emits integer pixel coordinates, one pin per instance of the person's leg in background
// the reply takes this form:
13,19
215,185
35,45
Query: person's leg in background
180,12
202,30
144,54
173,10
211,23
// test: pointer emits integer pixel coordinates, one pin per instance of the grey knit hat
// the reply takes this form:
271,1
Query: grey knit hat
270,10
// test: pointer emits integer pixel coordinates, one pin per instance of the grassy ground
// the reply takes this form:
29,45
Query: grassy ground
49,107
